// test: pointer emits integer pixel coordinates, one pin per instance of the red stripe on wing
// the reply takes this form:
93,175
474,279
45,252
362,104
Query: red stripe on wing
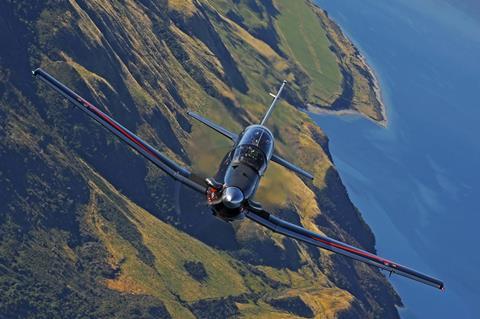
94,109
356,251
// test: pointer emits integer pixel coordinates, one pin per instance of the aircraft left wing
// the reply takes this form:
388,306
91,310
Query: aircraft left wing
160,160
299,233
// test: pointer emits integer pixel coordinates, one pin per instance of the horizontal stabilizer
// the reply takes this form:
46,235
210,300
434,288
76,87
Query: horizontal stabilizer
214,126
277,159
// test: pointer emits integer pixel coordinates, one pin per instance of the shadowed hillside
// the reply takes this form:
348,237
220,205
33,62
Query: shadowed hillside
90,229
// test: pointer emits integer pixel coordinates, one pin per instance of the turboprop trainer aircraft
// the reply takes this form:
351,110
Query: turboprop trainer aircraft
230,193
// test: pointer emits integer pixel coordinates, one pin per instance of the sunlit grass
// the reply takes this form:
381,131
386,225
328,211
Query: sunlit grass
305,40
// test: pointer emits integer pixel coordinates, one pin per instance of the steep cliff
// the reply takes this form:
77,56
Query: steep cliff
90,229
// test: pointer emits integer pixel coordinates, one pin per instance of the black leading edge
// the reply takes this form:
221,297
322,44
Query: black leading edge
230,193
167,165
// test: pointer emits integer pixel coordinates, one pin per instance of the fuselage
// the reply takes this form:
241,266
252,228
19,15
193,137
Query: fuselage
240,172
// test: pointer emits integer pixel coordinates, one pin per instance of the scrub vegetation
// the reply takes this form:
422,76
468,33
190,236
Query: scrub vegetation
90,229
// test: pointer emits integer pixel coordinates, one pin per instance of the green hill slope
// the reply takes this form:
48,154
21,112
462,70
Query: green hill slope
90,229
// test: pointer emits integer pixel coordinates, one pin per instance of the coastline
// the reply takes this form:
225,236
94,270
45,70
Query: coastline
377,101
414,155
376,86
318,109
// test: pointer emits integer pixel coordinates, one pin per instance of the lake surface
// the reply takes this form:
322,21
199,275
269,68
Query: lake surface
417,182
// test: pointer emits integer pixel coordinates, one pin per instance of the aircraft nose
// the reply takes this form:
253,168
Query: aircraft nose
232,197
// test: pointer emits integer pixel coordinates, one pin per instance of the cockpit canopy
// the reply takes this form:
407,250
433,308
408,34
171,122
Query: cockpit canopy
260,137
255,148
251,156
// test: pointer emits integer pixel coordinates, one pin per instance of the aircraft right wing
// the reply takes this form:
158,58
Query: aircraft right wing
299,233
160,160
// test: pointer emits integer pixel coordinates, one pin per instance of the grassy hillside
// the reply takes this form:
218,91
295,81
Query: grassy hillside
89,229
296,24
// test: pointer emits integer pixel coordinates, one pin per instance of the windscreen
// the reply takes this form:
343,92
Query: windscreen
259,137
251,156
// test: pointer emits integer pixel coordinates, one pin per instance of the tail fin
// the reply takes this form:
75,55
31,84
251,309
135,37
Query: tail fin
275,99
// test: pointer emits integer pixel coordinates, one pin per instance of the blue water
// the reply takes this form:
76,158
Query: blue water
417,182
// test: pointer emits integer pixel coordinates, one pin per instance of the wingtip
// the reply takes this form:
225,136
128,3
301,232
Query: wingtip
34,72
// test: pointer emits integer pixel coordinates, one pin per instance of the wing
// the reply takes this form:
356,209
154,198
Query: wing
285,228
163,162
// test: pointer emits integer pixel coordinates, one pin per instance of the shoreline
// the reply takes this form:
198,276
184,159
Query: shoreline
376,85
371,77
314,109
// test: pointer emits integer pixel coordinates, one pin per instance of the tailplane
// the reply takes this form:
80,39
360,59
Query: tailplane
214,126
277,159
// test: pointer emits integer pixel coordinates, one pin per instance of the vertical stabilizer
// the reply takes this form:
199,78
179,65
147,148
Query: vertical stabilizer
270,109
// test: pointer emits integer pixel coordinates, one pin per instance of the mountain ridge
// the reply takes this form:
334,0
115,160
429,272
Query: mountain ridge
146,63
